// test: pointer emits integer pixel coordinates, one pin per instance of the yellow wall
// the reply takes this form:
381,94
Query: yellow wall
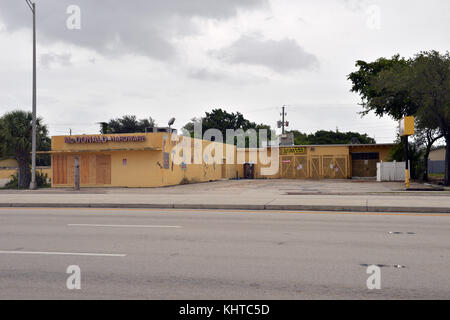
311,151
319,157
145,168
254,156
8,163
5,174
383,150
8,167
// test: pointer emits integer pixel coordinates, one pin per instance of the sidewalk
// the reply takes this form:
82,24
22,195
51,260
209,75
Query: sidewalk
342,195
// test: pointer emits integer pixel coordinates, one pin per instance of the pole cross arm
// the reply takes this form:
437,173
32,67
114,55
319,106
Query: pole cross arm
30,4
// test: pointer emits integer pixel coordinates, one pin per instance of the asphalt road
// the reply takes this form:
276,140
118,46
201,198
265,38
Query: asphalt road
194,254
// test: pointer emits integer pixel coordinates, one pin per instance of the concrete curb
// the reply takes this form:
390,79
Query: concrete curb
430,210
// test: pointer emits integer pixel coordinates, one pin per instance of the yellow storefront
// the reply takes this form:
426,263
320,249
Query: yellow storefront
135,160
314,162
323,161
150,160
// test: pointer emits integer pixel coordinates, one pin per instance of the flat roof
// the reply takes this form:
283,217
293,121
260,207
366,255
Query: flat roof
344,145
98,150
326,145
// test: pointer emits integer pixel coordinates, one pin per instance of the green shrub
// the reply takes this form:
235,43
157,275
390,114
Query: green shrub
13,183
41,180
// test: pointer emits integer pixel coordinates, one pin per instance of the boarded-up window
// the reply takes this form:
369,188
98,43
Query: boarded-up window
365,164
71,170
59,164
94,169
103,165
328,167
315,167
301,167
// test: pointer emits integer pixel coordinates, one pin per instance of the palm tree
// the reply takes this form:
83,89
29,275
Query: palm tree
15,141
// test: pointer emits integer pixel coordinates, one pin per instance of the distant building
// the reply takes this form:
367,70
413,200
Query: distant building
436,160
437,154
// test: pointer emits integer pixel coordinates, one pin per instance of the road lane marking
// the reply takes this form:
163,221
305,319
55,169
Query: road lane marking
65,253
121,226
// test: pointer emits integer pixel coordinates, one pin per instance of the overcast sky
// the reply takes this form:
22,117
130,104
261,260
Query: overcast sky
180,58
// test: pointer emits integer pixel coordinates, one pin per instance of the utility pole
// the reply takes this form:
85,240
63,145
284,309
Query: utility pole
77,173
283,123
33,185
407,128
407,177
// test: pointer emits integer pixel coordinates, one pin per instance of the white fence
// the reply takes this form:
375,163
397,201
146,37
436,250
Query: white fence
391,171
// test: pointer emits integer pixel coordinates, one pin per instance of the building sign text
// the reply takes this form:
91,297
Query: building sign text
293,151
103,139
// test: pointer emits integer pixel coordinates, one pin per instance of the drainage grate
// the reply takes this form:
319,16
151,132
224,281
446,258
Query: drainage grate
396,266
378,265
396,232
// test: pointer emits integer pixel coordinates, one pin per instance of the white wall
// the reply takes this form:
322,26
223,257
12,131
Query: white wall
391,171
3,182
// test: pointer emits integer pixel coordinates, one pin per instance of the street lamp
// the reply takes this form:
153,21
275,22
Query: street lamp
33,185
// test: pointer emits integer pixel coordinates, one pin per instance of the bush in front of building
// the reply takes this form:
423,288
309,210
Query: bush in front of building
42,181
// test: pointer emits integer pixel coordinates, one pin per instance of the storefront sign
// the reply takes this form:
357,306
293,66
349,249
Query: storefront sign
293,150
103,139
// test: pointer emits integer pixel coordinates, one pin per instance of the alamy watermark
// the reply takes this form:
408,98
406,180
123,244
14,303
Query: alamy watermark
252,147
73,22
373,17
374,281
74,280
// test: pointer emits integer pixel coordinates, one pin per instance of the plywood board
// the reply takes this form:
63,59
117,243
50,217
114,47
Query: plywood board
103,174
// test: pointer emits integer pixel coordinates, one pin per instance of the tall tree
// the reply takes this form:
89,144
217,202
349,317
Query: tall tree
427,137
382,87
419,86
429,82
126,124
222,120
15,141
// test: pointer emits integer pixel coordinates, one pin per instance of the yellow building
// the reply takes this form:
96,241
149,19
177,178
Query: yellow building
322,161
164,159
138,160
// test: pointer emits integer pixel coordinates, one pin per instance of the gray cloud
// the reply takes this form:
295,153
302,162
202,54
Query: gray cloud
116,27
280,56
358,5
206,75
47,60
